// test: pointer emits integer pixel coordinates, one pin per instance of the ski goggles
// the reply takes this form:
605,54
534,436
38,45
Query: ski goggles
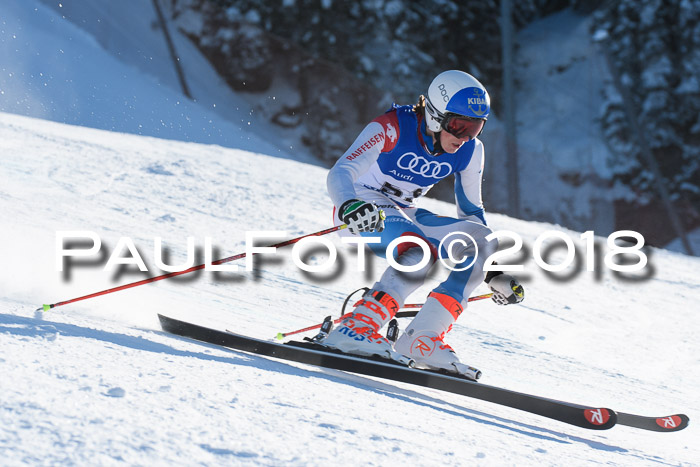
460,126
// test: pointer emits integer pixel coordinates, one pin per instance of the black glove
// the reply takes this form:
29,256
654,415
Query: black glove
506,288
361,216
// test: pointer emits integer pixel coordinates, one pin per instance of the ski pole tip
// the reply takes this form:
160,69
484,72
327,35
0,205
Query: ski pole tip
43,308
280,336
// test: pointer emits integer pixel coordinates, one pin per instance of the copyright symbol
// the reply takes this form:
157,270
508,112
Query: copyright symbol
461,244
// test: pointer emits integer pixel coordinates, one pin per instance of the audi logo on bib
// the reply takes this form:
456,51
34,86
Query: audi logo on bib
419,165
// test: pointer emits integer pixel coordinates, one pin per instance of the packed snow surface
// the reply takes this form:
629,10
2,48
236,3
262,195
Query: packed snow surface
96,382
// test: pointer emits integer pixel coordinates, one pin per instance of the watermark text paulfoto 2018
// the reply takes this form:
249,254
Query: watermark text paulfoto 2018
457,251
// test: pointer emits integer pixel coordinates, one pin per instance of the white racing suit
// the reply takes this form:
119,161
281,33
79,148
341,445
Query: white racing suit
389,165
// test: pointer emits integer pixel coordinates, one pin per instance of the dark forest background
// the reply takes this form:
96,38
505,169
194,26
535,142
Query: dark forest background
347,61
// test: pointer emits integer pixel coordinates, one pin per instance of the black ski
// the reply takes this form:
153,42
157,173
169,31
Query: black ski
582,416
665,424
579,415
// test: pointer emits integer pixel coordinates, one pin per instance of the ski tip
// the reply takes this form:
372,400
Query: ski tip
599,419
672,422
665,424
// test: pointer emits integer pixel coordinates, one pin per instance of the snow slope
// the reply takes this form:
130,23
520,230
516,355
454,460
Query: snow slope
114,73
96,382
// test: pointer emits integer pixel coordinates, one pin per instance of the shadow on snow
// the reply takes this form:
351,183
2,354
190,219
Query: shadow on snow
33,327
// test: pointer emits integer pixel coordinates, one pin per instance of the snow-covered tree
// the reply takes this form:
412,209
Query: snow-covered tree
655,47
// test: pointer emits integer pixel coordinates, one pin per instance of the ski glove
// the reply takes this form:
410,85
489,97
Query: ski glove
361,216
506,288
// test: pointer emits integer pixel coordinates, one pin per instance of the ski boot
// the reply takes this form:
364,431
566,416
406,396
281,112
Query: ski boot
358,333
423,338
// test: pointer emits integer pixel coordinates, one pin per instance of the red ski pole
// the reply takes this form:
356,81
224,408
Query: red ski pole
400,314
186,271
408,314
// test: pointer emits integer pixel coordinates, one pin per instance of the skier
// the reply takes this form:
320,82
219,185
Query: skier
396,159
